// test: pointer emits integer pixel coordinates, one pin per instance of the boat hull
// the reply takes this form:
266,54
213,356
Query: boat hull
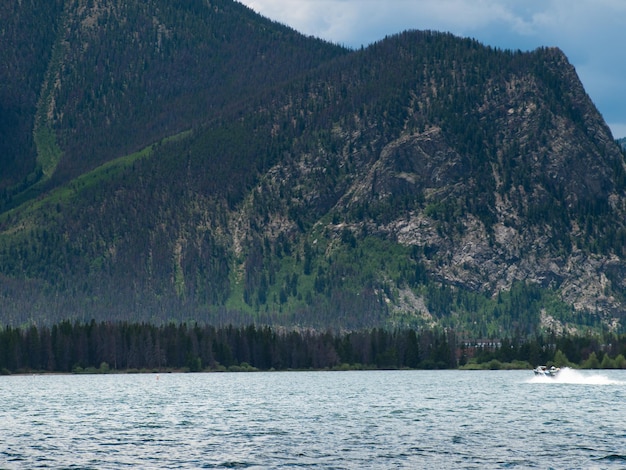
547,372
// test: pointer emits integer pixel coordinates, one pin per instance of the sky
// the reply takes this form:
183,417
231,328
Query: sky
592,33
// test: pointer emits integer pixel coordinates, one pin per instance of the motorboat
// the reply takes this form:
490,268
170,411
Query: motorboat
547,372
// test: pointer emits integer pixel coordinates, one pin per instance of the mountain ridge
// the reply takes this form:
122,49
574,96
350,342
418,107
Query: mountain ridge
425,180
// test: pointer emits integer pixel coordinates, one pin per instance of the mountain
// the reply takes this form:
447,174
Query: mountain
107,78
198,162
622,142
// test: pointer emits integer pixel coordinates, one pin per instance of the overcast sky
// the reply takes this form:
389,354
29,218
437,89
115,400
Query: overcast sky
592,33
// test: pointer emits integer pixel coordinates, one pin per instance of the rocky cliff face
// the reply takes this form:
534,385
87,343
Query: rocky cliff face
527,202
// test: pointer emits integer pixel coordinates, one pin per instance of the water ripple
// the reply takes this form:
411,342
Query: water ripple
408,419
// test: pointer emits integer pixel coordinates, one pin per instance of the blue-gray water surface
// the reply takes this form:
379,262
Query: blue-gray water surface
374,419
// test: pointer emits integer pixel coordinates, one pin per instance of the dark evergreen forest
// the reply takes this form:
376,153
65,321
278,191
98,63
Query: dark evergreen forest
123,347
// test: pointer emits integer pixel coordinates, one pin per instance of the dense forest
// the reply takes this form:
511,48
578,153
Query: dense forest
195,162
123,347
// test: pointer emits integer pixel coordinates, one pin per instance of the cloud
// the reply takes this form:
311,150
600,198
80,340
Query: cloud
590,32
361,22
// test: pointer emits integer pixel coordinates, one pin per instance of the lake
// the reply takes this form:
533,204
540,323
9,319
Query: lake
351,420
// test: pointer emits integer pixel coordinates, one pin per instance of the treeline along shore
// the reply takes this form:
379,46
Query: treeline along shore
122,347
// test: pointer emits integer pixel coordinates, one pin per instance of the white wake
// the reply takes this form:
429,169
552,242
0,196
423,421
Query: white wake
572,376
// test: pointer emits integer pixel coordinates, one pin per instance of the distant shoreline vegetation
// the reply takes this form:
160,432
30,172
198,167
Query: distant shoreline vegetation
121,347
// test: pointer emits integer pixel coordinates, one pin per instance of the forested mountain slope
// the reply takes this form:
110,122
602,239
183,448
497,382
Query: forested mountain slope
424,180
27,34
100,79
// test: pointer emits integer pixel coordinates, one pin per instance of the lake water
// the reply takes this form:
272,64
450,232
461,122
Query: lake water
377,419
